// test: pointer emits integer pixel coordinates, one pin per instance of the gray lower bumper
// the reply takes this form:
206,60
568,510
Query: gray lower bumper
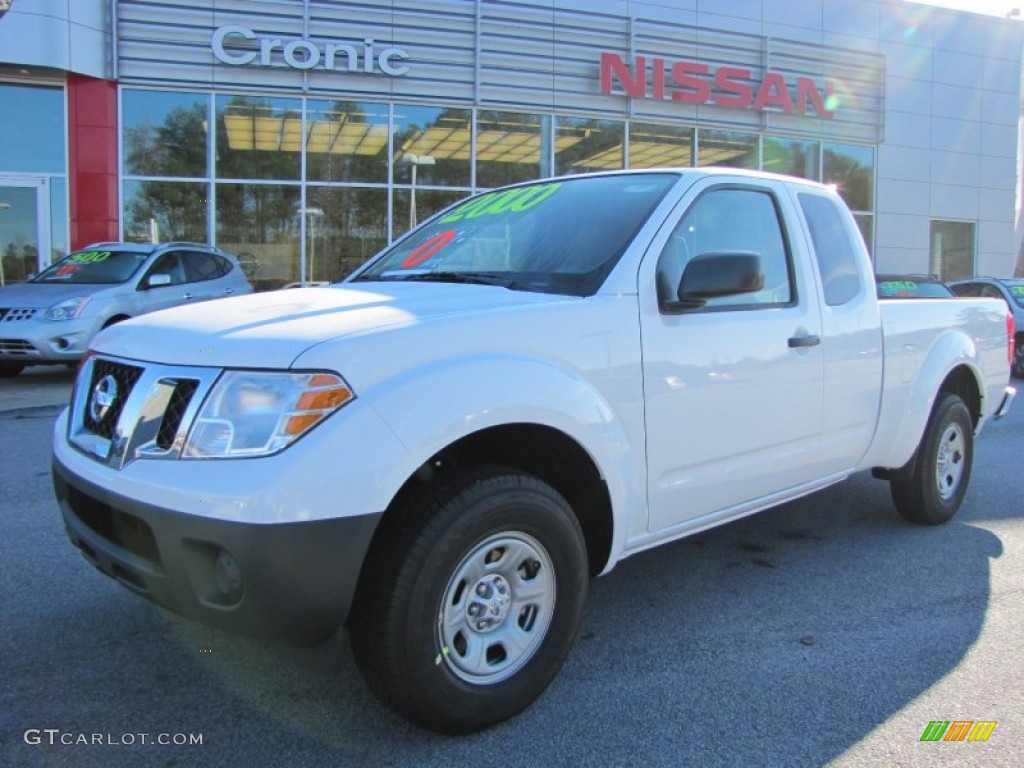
292,582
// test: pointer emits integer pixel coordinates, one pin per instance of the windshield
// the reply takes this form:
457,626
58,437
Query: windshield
95,267
561,236
1017,291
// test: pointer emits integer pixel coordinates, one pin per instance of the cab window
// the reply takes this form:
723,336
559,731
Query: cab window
730,220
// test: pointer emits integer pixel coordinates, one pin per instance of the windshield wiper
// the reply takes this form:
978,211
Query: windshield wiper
476,278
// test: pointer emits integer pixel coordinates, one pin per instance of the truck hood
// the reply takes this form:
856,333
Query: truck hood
270,330
43,295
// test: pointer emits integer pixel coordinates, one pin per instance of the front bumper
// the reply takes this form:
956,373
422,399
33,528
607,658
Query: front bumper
34,341
290,582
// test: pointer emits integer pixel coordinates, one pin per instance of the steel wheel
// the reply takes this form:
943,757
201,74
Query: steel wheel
949,466
471,597
497,608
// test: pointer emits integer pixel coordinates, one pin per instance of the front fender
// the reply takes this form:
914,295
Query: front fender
437,404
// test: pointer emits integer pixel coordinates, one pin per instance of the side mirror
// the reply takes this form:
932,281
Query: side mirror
155,281
711,275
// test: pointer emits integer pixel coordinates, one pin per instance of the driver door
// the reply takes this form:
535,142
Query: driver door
733,389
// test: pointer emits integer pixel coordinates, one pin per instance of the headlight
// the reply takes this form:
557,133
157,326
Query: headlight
254,413
68,309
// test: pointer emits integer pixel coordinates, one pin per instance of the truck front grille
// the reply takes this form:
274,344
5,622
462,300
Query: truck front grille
122,411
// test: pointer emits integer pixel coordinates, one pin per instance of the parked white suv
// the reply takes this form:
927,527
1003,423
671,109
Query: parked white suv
53,317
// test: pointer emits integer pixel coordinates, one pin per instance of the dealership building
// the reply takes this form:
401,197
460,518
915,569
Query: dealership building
304,135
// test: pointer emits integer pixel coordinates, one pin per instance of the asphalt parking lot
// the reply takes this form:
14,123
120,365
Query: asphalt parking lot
825,632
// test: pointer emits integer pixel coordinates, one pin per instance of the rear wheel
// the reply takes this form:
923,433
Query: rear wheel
935,489
1018,357
471,599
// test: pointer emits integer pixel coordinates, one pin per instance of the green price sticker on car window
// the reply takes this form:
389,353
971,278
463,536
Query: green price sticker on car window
505,201
1017,290
894,287
89,257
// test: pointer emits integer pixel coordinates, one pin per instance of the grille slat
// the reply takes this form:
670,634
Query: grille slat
180,398
125,377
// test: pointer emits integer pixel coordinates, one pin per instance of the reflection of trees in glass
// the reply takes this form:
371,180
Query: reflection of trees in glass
258,138
588,144
170,210
19,262
791,157
175,148
262,221
852,170
353,228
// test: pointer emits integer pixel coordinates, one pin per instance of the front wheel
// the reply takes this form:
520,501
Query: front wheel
935,489
471,599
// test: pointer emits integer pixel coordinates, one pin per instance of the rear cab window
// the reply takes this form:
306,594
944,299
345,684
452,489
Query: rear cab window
834,249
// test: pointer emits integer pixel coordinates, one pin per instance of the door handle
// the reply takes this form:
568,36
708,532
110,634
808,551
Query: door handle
228,290
188,297
802,342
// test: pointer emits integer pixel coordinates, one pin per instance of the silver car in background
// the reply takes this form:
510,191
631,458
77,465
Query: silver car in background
53,317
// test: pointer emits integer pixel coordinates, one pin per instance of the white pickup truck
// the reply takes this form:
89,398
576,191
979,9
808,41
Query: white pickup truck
537,383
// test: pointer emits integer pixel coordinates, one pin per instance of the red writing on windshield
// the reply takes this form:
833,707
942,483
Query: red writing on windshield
428,249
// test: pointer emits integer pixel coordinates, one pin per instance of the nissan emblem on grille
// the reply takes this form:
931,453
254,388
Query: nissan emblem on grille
104,395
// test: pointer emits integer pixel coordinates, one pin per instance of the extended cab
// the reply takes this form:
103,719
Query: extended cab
538,382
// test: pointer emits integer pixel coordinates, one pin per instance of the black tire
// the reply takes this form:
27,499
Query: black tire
942,470
471,598
10,370
1018,358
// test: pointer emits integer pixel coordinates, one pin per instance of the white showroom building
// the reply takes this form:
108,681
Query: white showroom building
306,134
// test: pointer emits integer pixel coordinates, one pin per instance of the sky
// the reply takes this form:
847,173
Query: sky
993,7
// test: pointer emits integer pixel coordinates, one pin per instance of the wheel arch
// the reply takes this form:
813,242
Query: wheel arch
961,381
542,451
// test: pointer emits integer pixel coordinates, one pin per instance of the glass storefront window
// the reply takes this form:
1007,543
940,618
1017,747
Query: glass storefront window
164,133
258,138
159,211
586,144
346,141
660,146
852,169
260,223
59,247
32,129
437,142
728,149
952,249
345,226
791,157
866,225
509,147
